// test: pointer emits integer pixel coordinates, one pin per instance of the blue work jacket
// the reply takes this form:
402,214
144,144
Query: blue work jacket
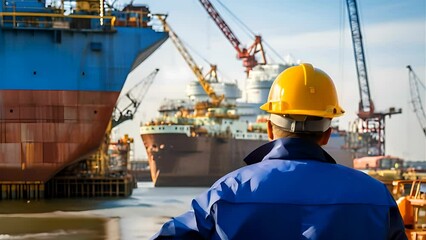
291,189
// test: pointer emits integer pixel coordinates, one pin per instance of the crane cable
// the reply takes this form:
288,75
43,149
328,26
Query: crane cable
197,53
194,51
203,58
342,24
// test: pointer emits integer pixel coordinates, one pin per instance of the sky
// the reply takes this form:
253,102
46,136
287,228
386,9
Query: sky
313,31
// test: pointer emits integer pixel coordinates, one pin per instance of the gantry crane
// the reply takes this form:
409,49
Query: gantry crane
370,128
416,100
215,99
246,54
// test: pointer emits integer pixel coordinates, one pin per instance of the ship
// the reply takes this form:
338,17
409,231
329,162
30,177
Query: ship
198,152
189,149
63,65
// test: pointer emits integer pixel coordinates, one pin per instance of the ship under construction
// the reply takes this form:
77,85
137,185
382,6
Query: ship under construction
62,69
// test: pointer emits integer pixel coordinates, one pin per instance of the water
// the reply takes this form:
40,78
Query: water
137,217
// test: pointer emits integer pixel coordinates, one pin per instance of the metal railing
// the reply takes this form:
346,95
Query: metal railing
56,21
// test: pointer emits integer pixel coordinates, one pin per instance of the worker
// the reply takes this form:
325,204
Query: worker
292,188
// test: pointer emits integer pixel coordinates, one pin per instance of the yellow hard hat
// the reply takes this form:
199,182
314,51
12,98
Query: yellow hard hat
303,90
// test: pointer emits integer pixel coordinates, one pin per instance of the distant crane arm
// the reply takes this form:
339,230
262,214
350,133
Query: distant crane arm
127,113
366,106
416,101
216,100
247,55
120,116
369,134
222,25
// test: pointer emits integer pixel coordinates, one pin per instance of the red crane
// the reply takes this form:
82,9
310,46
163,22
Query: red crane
246,54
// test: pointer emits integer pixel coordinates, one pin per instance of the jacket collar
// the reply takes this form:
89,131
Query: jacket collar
289,149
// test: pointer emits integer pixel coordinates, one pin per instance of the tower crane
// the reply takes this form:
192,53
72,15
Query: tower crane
215,99
371,132
416,100
246,54
366,106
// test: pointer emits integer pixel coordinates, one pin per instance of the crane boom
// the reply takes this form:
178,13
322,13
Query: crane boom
222,25
128,112
416,98
101,156
247,55
216,100
366,106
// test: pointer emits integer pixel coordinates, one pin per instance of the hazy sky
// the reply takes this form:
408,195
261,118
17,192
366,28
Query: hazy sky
315,31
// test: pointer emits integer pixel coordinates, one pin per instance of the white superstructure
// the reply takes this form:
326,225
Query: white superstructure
256,90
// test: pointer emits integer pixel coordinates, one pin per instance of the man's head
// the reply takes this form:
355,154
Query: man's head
302,101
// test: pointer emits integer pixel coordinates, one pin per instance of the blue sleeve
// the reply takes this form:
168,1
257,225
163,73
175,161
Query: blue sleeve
181,227
194,224
397,228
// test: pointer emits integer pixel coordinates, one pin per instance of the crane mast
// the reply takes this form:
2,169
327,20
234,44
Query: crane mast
215,99
416,98
368,131
246,54
366,107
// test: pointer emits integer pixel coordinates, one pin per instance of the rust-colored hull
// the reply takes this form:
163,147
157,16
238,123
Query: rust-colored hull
41,132
176,159
179,160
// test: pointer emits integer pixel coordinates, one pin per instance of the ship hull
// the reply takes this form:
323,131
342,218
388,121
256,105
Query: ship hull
179,160
43,131
59,85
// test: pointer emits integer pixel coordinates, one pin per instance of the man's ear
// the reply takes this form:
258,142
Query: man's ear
325,137
270,132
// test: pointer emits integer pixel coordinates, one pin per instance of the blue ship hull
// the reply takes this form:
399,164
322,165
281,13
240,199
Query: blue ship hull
80,61
61,74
